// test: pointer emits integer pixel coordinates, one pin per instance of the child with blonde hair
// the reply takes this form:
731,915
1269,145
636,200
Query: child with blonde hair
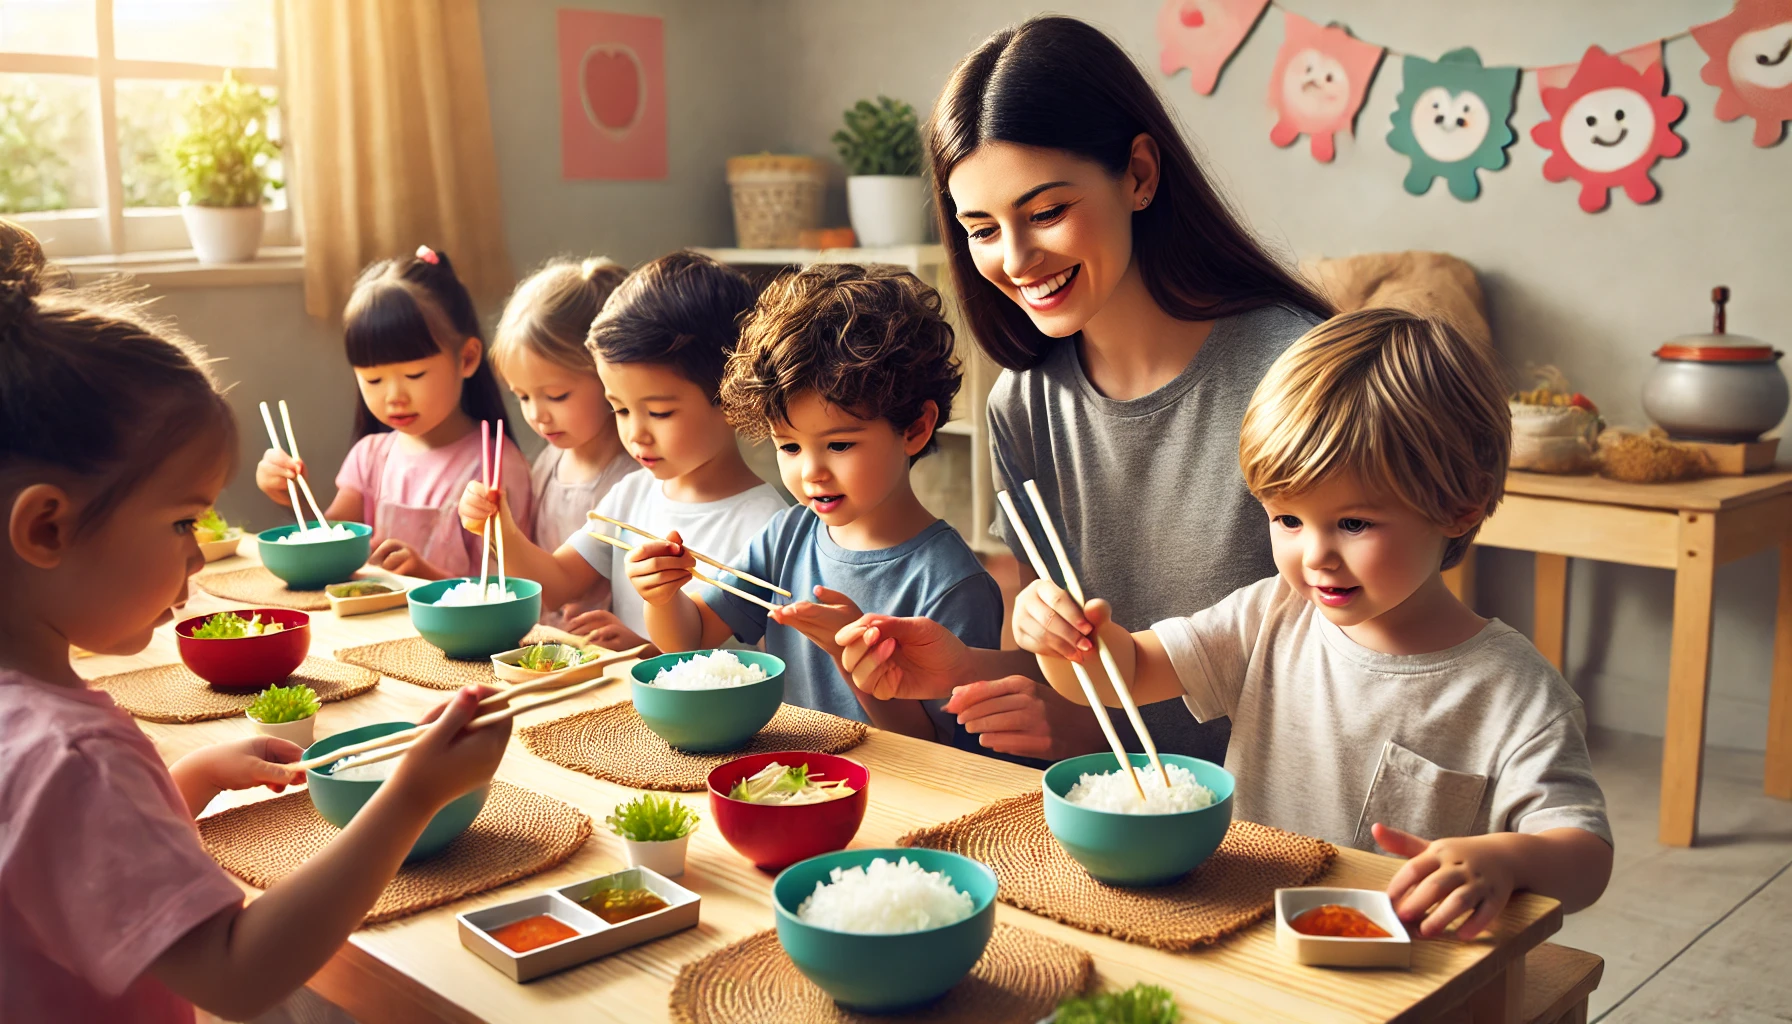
538,351
110,909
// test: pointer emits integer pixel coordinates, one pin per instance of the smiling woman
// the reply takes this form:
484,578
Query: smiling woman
1134,314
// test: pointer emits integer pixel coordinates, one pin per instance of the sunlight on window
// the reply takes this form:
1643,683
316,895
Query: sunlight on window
47,147
48,26
235,33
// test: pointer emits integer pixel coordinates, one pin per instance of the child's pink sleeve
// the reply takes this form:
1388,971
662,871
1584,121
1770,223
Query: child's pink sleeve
519,490
357,471
104,869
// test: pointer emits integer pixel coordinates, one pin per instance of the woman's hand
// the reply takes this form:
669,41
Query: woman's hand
909,658
1447,878
604,629
659,569
820,620
1016,715
395,556
1047,621
275,470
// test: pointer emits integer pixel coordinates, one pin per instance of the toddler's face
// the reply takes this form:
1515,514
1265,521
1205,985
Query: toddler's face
667,422
1352,552
415,398
565,407
839,465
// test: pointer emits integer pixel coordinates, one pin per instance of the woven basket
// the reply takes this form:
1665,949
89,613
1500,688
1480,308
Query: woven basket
775,198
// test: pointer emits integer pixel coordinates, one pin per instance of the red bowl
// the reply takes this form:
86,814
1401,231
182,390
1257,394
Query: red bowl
775,837
250,662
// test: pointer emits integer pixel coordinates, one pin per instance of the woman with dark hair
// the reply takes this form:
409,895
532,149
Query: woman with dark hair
1133,315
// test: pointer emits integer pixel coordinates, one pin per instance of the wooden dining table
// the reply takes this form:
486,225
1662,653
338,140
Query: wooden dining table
414,969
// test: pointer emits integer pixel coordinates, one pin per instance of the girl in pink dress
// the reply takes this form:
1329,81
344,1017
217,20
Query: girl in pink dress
414,341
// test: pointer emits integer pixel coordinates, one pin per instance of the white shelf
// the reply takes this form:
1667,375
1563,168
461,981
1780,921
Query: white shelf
915,256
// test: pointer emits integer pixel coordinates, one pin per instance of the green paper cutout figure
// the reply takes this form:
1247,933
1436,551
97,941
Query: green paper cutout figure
1450,119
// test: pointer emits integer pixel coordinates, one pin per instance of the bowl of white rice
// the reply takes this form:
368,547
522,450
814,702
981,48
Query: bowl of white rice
473,620
708,701
310,559
339,791
885,930
1094,811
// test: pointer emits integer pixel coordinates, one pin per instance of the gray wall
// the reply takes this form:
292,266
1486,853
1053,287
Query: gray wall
1591,293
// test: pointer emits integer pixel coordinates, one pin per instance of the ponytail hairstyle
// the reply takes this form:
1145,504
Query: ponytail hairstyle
1059,83
682,310
92,387
550,313
413,308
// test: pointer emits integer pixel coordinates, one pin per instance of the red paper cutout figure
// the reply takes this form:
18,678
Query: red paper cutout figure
1320,80
1202,35
1608,124
1751,62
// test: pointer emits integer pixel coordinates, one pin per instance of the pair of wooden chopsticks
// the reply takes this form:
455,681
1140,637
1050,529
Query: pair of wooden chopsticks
1075,587
292,449
617,542
491,468
698,555
393,744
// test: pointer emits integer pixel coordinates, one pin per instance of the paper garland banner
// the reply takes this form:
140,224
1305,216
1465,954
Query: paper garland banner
1202,35
1320,80
1451,120
1750,51
1609,124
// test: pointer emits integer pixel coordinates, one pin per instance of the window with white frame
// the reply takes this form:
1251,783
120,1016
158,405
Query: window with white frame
92,93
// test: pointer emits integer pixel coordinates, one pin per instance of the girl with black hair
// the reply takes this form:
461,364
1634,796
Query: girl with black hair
414,341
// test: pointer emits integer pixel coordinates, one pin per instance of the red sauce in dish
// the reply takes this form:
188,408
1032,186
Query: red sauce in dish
533,933
1338,922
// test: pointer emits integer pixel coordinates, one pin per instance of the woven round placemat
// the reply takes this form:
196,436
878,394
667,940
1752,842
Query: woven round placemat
416,660
1021,978
172,693
257,586
613,743
517,834
1234,888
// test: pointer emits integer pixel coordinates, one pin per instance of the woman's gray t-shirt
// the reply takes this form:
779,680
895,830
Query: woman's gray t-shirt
1147,491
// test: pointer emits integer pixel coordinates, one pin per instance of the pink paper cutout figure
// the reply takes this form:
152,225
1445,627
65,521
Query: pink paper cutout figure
1751,63
1608,124
1320,80
1202,35
612,96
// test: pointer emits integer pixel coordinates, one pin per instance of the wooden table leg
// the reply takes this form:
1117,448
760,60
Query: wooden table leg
1461,579
1550,620
1779,708
1689,672
1501,1000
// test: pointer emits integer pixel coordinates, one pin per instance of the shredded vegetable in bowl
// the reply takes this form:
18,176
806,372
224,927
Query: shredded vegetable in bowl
547,657
776,784
231,626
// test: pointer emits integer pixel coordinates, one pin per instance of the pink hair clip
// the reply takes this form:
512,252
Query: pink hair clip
428,255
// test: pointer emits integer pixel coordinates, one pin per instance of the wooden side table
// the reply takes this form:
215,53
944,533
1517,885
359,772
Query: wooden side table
1691,528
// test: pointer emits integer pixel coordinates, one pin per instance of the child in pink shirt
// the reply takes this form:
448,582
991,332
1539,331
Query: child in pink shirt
110,909
414,341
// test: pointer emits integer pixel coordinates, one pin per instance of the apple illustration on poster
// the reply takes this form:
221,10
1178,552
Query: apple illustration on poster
612,96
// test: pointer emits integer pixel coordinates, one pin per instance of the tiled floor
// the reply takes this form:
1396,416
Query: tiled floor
1701,934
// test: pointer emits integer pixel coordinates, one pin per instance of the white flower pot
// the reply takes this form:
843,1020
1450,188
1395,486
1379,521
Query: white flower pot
887,209
223,234
665,857
300,732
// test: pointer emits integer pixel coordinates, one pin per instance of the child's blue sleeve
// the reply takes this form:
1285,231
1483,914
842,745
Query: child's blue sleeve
972,611
746,619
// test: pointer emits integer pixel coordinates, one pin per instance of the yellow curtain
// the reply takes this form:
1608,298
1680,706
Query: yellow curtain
391,141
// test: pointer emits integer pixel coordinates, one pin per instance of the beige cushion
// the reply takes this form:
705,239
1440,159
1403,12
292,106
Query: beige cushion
1431,283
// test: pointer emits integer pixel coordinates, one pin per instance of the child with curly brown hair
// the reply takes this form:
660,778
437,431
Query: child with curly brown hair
848,370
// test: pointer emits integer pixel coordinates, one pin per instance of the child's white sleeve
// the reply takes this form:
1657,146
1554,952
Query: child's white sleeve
1211,649
1547,782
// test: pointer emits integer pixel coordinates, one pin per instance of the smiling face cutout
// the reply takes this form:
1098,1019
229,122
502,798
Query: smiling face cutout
1449,126
1750,52
1608,129
1450,119
1609,124
1320,80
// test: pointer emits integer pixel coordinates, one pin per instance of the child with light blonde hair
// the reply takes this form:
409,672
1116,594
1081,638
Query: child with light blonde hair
538,351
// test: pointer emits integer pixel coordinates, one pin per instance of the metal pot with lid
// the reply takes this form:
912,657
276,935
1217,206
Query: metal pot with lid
1716,387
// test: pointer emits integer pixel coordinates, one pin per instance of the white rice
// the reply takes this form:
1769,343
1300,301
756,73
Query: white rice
717,671
1112,791
337,531
885,899
469,592
379,771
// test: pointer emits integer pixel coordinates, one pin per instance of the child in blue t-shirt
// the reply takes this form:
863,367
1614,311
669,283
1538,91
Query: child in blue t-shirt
849,371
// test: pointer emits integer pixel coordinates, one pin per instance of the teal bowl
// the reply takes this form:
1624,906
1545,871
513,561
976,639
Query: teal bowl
316,565
708,721
1137,849
339,800
883,973
475,631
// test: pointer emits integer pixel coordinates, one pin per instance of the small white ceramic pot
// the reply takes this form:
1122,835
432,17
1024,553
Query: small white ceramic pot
223,234
665,857
301,732
887,209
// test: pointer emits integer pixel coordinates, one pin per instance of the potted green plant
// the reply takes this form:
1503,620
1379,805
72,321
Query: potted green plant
655,831
881,147
289,712
222,159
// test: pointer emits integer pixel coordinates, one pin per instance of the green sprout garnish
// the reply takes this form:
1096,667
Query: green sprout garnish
278,704
1140,1004
652,819
231,626
546,657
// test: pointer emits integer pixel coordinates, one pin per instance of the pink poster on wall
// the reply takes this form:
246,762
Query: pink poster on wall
612,96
